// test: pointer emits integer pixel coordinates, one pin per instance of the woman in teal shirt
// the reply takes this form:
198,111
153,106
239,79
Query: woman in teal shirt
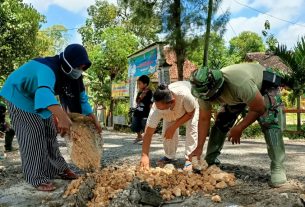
30,93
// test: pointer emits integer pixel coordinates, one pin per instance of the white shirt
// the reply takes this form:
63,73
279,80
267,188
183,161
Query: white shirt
185,102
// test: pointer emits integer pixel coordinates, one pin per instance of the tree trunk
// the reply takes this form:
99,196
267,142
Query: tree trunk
112,102
299,114
207,34
179,46
111,111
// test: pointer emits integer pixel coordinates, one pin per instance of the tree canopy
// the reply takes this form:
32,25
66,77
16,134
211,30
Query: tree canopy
51,41
246,42
181,20
19,24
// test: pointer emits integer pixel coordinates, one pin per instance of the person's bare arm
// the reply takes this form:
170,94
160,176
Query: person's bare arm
256,109
64,122
172,128
96,122
203,130
147,140
187,116
146,146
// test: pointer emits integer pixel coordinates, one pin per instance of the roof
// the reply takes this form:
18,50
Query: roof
141,50
267,60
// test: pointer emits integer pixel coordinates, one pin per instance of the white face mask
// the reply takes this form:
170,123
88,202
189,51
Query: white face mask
75,73
165,111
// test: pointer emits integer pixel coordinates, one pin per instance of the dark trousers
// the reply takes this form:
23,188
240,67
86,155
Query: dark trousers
9,135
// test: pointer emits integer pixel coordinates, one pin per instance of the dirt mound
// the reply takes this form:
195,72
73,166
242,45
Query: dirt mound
85,144
157,184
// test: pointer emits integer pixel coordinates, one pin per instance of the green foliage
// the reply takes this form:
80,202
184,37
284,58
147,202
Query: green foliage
117,45
286,98
180,18
182,130
246,42
218,53
295,60
147,26
253,131
109,62
122,108
51,41
295,134
270,39
111,34
103,15
19,24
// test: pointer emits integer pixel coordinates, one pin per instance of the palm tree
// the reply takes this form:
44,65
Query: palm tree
295,80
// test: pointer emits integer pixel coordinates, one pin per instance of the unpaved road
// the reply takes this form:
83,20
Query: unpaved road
249,161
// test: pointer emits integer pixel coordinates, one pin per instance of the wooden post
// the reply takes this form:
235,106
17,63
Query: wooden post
299,114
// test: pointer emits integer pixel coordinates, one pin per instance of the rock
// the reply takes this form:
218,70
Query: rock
302,198
169,167
216,198
284,195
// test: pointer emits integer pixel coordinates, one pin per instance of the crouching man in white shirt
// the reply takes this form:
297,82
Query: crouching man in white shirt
176,106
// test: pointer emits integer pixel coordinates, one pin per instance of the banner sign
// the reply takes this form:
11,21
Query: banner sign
143,64
119,90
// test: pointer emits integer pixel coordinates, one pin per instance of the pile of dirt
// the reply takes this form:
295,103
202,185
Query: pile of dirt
85,144
157,184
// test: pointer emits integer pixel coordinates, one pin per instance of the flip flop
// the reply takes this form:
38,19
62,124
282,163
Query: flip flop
47,187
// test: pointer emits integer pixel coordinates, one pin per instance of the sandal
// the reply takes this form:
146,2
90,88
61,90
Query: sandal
47,187
164,160
137,140
68,175
188,166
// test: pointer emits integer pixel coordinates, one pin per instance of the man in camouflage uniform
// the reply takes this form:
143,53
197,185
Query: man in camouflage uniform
236,88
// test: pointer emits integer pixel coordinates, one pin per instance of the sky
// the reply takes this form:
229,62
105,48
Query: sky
286,17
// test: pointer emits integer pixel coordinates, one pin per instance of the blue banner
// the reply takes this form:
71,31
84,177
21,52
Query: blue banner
143,64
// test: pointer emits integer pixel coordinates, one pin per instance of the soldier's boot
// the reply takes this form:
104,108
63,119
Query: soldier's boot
276,152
